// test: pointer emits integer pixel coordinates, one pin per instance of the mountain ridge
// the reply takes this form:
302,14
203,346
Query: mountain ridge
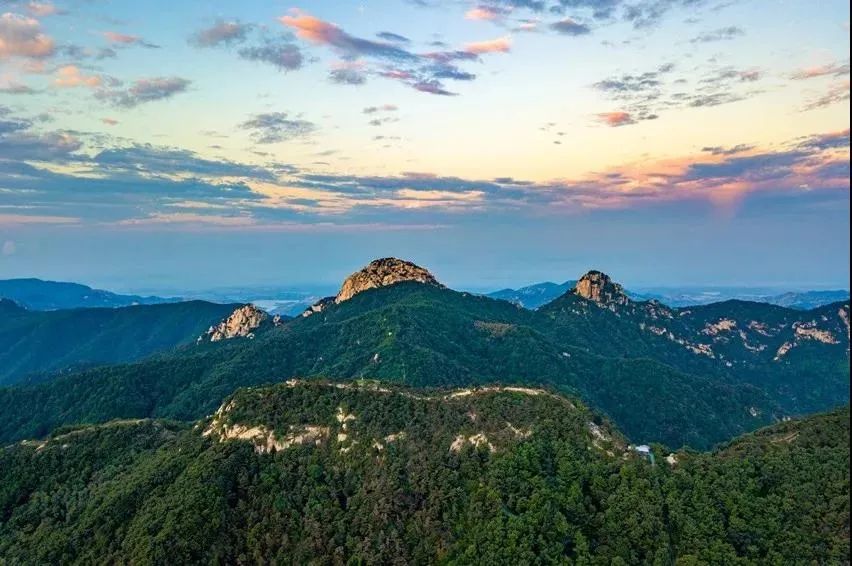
41,294
373,473
35,344
426,335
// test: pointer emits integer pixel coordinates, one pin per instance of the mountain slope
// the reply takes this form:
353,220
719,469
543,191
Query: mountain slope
408,333
41,342
800,358
40,295
365,473
676,376
533,296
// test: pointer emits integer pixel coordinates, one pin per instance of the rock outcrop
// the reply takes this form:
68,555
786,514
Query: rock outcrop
319,306
599,288
240,323
382,273
379,273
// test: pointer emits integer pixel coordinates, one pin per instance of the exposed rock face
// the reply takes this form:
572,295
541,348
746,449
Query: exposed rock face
599,288
241,323
379,273
319,306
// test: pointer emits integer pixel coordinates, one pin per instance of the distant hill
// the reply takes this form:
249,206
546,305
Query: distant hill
369,473
807,300
801,300
36,294
538,295
533,296
36,344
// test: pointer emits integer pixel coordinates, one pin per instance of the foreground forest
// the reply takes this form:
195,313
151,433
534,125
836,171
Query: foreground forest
324,473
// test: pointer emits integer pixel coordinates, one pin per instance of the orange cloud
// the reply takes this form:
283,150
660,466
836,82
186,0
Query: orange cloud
311,29
70,76
499,45
22,37
482,13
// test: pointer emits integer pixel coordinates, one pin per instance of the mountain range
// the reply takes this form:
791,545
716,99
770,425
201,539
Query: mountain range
533,296
695,376
539,294
37,294
40,295
399,421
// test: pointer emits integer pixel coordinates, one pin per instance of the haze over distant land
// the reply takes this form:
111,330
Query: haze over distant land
500,142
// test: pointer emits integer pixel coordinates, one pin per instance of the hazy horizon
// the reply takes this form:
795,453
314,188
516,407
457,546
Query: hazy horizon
164,288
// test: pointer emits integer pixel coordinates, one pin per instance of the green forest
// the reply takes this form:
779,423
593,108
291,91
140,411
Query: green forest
655,389
401,476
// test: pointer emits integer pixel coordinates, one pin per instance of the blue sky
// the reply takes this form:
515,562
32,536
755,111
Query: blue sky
500,142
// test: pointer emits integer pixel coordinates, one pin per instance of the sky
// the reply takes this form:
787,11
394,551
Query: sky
201,144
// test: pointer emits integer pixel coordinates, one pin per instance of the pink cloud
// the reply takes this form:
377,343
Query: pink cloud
499,45
396,74
21,36
116,37
109,121
831,69
615,119
126,39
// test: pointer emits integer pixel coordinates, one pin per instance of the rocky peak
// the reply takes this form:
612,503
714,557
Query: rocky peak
240,323
599,288
382,273
379,273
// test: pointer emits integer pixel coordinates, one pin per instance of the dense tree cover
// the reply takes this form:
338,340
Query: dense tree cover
35,343
559,486
653,387
811,376
412,334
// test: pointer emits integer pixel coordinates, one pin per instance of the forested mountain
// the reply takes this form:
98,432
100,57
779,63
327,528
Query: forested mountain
533,296
539,294
799,358
678,376
689,297
40,295
36,344
366,473
408,333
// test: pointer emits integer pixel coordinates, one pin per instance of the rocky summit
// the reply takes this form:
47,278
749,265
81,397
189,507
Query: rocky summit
379,273
240,323
597,287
